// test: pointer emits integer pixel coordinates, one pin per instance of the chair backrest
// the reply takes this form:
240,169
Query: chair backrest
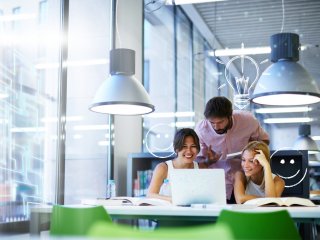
260,225
75,220
203,232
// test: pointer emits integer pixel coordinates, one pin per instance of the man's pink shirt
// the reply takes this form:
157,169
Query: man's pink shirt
245,128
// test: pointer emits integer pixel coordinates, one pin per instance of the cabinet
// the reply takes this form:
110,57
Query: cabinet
141,162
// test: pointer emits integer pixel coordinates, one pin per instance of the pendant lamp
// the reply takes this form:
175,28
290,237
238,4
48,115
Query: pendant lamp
304,141
285,82
122,93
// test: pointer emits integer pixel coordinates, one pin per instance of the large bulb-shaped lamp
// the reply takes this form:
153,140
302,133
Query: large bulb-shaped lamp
122,93
285,82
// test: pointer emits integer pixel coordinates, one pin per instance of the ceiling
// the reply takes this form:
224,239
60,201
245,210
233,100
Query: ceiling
228,24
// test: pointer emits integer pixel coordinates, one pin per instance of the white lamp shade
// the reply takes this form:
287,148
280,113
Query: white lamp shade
286,83
122,95
306,143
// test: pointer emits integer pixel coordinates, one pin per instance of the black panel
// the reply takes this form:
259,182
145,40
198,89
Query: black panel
292,167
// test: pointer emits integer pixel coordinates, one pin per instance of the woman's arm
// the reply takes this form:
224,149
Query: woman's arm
159,174
240,183
279,185
273,186
270,188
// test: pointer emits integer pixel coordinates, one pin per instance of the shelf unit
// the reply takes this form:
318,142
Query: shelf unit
141,162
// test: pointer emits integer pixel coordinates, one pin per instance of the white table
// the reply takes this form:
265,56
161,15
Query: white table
40,215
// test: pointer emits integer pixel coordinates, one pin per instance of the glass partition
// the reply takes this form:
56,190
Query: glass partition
86,132
29,46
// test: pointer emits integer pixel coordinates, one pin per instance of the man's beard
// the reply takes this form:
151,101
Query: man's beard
224,130
221,131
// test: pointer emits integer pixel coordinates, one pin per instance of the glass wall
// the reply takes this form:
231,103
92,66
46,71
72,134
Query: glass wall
179,81
184,68
159,78
87,132
31,76
30,35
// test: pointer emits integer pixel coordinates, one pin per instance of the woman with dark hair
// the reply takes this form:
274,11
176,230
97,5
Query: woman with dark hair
256,179
186,146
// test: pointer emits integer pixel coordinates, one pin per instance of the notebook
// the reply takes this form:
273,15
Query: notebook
198,186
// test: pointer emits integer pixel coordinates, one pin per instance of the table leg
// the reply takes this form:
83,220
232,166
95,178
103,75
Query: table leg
39,222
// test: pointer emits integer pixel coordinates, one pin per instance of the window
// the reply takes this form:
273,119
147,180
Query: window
28,106
179,83
87,132
159,76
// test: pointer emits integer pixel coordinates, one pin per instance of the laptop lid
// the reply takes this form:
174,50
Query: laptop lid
198,186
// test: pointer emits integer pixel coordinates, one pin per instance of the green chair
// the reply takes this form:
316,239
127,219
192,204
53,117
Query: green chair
203,232
260,225
75,221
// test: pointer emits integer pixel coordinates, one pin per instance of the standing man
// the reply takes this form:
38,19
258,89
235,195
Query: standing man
224,131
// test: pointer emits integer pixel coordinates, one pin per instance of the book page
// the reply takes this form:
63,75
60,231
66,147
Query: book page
107,202
152,202
264,201
289,201
285,202
127,201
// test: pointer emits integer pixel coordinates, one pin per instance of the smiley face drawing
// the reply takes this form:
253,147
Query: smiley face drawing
291,166
159,139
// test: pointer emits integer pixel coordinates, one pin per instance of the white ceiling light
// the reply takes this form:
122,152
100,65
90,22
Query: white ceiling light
288,120
244,51
284,110
238,51
304,141
285,82
17,17
316,138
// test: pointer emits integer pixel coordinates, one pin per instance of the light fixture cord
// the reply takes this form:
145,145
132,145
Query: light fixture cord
283,17
117,29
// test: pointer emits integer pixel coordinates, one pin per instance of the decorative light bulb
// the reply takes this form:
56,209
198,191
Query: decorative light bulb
242,82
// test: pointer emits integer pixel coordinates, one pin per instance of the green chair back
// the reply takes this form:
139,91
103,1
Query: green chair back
203,232
260,225
66,221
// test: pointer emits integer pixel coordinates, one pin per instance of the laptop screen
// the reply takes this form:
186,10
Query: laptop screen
198,186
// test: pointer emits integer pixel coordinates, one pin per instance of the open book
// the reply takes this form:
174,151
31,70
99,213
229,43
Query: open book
282,202
127,201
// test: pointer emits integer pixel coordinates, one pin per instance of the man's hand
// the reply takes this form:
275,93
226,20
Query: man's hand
213,156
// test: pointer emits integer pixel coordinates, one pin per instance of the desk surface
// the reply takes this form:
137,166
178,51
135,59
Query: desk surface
295,212
40,215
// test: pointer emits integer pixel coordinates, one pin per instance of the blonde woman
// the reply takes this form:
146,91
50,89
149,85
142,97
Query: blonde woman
256,180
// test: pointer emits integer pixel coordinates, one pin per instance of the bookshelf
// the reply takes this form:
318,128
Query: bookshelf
143,161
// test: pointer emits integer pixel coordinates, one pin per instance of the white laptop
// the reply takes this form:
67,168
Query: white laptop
198,186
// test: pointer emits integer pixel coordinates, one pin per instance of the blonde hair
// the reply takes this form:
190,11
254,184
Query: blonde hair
256,145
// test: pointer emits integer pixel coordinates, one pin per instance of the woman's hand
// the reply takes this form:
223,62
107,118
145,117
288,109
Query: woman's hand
259,157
